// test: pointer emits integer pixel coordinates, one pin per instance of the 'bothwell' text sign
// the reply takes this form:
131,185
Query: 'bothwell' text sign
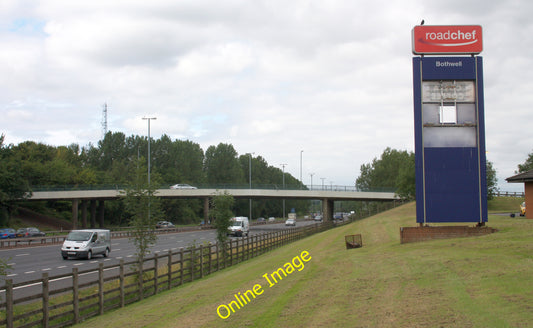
447,40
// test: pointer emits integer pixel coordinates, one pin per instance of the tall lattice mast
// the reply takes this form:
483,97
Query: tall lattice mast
104,120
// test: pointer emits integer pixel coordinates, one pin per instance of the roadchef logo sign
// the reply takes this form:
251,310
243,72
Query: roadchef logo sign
442,40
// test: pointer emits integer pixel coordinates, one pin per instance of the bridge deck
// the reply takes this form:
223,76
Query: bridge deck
205,193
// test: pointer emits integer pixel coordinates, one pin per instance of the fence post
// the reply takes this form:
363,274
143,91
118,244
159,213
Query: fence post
156,263
201,261
253,248
140,277
218,256
101,287
169,269
9,303
263,243
231,252
46,312
210,256
75,295
122,292
191,261
181,266
247,247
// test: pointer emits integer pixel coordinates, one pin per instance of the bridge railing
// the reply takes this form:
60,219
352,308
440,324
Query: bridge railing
271,186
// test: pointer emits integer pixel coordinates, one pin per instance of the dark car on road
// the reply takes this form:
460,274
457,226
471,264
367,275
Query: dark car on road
29,232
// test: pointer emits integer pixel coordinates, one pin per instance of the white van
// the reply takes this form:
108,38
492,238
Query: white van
86,243
239,226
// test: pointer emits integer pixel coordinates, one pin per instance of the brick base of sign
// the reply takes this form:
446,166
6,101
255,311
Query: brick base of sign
415,234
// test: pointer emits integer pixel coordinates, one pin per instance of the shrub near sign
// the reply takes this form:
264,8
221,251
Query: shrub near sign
438,40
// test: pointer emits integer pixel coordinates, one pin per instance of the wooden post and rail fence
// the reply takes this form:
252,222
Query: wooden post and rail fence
67,299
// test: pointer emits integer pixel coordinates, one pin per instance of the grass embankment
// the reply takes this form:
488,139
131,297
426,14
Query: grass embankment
466,282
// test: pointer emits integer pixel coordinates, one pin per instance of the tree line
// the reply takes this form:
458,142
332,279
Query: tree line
395,170
115,161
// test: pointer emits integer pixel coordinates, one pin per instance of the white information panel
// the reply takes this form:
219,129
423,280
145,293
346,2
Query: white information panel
448,91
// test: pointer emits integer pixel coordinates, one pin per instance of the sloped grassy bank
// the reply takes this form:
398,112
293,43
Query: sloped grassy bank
468,282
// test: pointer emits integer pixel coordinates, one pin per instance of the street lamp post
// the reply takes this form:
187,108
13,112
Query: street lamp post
283,166
311,174
301,152
148,119
250,179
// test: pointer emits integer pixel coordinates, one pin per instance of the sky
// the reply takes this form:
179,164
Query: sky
321,86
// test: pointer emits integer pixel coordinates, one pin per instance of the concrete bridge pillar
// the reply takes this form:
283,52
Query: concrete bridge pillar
101,209
84,214
93,213
206,210
75,203
327,209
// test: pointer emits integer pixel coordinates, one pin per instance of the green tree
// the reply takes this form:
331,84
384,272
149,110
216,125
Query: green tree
393,170
4,268
492,181
405,183
144,209
221,213
222,165
527,165
13,185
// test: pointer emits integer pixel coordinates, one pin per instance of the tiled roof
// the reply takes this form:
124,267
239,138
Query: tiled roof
522,177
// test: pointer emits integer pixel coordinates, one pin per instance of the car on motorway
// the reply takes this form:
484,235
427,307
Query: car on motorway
86,243
240,226
271,219
7,233
29,232
290,222
182,186
318,218
164,224
261,219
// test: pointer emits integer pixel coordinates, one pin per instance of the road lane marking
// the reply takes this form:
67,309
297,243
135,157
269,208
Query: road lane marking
54,280
28,272
24,254
47,269
62,267
12,275
78,263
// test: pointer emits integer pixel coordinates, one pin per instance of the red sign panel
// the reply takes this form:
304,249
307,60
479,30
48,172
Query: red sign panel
447,40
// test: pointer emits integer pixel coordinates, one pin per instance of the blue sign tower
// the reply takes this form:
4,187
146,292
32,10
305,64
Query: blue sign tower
451,183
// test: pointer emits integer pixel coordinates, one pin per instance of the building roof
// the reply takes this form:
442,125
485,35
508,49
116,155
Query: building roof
522,177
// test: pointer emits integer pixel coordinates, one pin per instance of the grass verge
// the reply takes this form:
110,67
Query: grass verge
465,282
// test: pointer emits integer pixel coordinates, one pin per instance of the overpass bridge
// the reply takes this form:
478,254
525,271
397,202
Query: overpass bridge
87,200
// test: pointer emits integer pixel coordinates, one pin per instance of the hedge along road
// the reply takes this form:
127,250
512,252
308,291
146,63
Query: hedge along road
30,263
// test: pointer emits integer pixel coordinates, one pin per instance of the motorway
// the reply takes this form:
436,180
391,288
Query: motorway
30,263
